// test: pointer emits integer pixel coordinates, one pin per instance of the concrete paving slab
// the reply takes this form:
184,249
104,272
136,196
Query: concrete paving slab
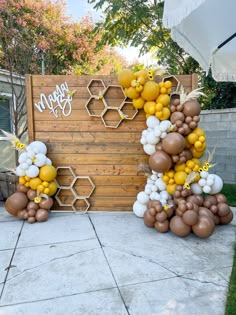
5,258
9,233
52,271
131,269
201,294
127,233
4,215
104,302
58,228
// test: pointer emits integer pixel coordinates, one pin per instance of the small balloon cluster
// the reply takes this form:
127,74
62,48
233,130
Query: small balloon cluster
32,200
180,194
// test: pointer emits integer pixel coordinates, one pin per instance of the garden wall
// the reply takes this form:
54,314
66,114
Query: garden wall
220,127
88,137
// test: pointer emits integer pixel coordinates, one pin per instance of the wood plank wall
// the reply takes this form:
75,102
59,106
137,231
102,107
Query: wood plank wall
110,156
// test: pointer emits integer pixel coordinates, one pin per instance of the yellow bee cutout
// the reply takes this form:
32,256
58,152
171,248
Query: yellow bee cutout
167,206
190,179
122,115
99,96
171,128
71,93
14,140
151,74
207,164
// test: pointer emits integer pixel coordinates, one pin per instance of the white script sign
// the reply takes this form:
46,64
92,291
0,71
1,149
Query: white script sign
60,99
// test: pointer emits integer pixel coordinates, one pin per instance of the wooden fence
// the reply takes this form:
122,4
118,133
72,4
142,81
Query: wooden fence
89,138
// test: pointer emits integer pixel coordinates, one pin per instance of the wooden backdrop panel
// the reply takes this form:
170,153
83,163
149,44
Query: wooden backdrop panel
110,156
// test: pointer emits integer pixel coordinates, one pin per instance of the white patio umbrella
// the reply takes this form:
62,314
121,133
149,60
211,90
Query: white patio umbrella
206,30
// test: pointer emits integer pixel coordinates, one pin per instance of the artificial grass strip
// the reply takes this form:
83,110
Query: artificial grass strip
229,190
231,297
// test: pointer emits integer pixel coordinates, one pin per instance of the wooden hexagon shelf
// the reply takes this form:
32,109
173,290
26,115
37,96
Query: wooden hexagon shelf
128,110
114,96
83,186
75,191
65,176
175,82
111,118
81,205
95,107
96,87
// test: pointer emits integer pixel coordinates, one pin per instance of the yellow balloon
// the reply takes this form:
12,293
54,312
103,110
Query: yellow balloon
180,177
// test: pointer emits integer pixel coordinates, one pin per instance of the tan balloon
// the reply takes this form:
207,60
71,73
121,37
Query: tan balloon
178,227
160,162
16,202
192,108
41,215
173,143
205,227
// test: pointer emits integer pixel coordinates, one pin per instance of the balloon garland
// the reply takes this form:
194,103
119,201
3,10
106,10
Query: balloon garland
32,201
180,195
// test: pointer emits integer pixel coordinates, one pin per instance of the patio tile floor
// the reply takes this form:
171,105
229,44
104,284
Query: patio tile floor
110,264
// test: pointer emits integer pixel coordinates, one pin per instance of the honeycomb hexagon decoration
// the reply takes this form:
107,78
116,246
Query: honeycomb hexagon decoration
81,205
83,186
128,110
96,87
65,176
114,96
175,82
112,117
65,196
95,106
69,191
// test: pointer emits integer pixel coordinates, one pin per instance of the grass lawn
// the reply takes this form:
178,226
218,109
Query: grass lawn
229,190
231,298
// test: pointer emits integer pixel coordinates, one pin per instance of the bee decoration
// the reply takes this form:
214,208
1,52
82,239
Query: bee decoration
190,179
167,206
207,164
122,115
99,97
151,74
71,93
14,140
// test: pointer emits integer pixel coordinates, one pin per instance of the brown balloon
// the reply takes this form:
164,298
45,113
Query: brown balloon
162,227
31,220
223,209
31,194
177,116
22,188
46,203
149,220
207,212
221,198
173,143
17,201
160,162
41,215
21,214
190,217
161,216
32,206
226,219
192,108
178,227
205,227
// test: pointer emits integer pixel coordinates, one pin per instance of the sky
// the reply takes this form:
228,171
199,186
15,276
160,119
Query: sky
80,8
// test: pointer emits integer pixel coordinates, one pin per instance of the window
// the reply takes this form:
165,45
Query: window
5,114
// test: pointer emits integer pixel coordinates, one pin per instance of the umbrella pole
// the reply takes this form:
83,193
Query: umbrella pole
224,43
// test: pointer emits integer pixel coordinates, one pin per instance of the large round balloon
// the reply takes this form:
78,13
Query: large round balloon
160,162
17,201
173,143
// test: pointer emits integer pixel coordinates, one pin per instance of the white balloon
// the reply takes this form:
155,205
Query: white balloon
164,125
209,181
143,140
151,138
142,197
32,171
157,132
152,121
163,134
217,185
48,162
206,189
154,196
37,147
20,171
29,161
164,194
23,157
154,177
204,174
24,166
154,188
40,159
160,184
139,209
30,153
202,182
196,188
149,148
150,181
163,202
